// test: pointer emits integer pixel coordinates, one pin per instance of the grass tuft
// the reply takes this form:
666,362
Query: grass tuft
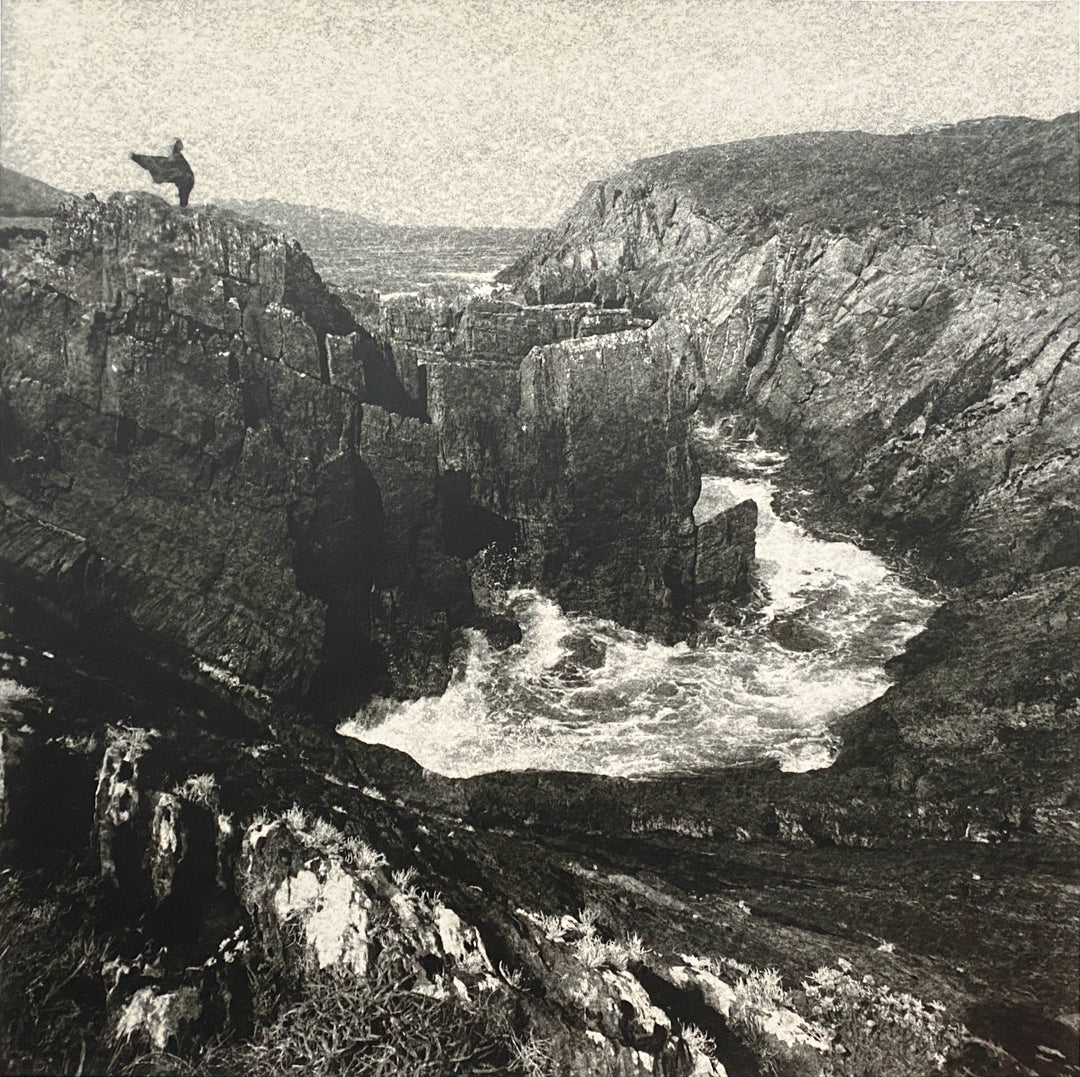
697,1041
326,834
362,856
345,1026
199,789
297,818
11,693
405,880
52,997
878,1030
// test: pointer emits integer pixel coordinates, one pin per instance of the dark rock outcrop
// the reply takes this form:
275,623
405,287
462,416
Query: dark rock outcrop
544,444
176,458
419,331
899,311
612,917
203,449
722,568
496,329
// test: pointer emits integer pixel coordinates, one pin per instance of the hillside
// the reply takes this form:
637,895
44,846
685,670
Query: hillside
318,226
358,252
1006,173
850,180
24,196
898,310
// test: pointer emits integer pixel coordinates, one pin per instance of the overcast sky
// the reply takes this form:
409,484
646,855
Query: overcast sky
490,111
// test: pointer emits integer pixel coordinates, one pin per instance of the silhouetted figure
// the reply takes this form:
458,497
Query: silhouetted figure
171,169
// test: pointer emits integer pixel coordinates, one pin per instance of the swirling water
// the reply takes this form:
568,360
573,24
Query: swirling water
582,693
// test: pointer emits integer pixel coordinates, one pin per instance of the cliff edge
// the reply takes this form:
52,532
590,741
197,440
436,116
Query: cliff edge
899,310
179,460
204,453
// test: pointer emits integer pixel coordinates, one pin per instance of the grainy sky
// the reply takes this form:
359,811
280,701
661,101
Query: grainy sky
491,111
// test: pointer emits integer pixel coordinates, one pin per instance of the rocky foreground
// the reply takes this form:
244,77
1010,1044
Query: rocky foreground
230,511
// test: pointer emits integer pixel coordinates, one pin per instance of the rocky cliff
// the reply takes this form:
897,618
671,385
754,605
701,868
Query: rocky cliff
331,906
176,458
900,314
898,310
535,408
187,859
422,329
561,422
201,446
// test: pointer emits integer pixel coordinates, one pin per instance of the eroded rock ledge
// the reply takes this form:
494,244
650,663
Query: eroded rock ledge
201,446
898,310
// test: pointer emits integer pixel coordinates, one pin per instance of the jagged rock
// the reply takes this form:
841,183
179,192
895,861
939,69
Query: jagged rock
547,447
276,507
912,341
792,634
422,591
168,843
936,854
117,798
725,553
582,403
791,1043
421,330
723,878
128,383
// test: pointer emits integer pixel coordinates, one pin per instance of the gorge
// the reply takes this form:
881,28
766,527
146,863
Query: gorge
237,505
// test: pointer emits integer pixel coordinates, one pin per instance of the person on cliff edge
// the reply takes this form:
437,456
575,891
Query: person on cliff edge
171,169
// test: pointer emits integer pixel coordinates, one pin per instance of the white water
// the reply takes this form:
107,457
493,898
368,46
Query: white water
581,693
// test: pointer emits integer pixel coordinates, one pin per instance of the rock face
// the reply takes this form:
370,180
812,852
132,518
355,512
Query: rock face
536,408
893,913
581,404
419,331
175,457
736,922
898,310
203,448
900,314
559,425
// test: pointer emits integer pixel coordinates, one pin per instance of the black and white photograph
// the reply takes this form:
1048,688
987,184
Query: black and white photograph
540,538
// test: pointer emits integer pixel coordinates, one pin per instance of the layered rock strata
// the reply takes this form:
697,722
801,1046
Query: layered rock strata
202,447
418,331
176,457
623,927
914,902
559,424
898,310
899,313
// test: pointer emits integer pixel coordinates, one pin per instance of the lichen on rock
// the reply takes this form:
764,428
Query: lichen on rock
158,1016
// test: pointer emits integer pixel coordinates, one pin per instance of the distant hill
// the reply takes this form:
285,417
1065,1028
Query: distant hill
357,252
316,226
24,196
631,232
305,222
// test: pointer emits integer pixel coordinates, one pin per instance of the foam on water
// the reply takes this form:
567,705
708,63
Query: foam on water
584,694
